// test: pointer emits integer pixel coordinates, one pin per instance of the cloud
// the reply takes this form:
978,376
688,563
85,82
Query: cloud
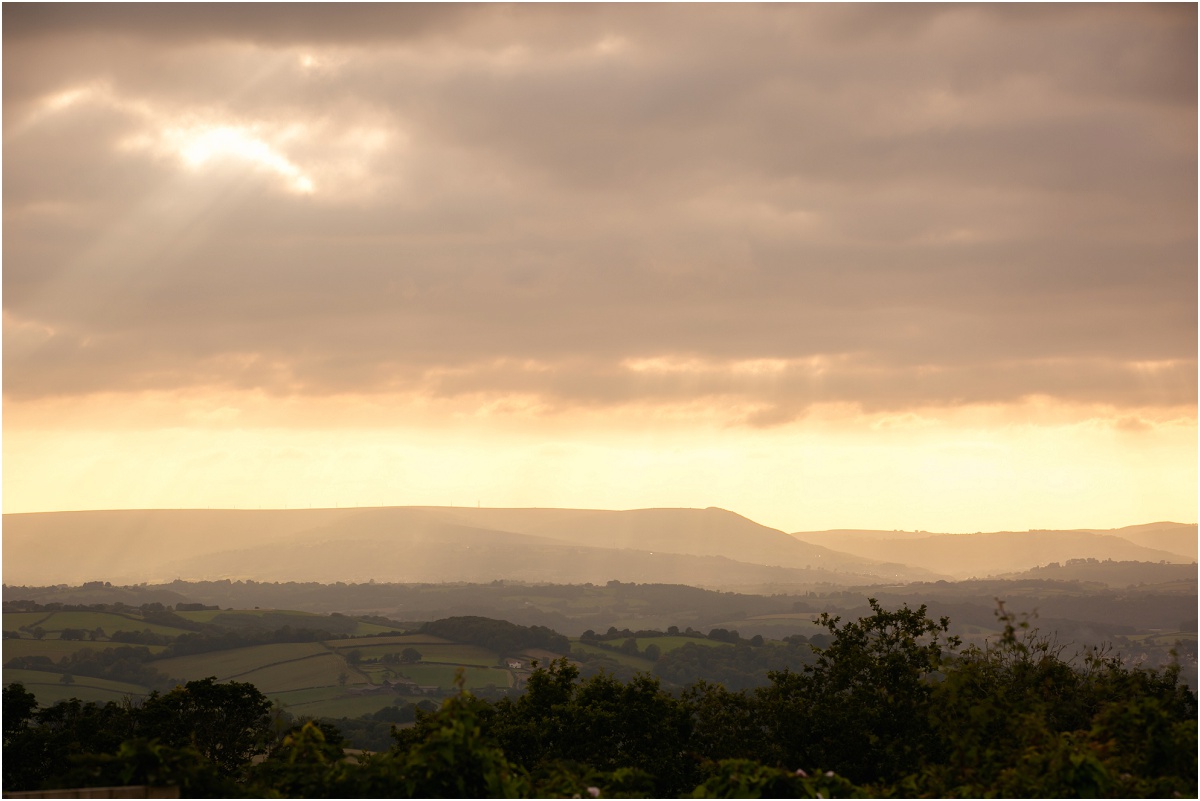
771,207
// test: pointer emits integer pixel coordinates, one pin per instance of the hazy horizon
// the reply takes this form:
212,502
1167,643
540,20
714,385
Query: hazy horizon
786,529
917,267
698,547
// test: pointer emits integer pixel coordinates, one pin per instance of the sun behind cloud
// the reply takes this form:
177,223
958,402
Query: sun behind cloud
202,145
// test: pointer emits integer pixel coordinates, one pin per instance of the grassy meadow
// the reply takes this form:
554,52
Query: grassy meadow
49,688
668,644
325,678
629,660
235,663
307,678
57,649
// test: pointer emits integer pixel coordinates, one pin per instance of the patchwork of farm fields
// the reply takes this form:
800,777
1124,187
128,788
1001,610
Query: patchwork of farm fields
109,622
310,678
49,689
299,620
338,705
15,620
207,615
629,660
443,676
57,649
453,653
239,661
322,670
668,644
404,640
780,625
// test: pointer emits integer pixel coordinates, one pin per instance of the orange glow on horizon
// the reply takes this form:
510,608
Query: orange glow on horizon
1041,465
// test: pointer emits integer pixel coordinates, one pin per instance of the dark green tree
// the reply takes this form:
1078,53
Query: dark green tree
40,743
149,762
861,709
1016,718
602,723
22,752
228,723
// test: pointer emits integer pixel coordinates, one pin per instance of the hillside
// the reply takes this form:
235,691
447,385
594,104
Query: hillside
1112,573
1179,538
461,554
696,532
988,554
699,547
311,664
708,547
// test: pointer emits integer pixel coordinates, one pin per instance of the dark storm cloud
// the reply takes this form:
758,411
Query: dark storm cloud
940,204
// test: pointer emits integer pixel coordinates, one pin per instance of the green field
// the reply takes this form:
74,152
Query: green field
310,620
635,662
785,625
49,689
501,677
443,676
668,644
237,662
603,600
453,654
364,629
57,649
290,697
335,703
321,670
14,620
108,621
207,615
403,640
203,616
346,706
303,619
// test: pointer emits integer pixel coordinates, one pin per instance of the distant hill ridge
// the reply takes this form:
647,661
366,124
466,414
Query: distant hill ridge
702,547
995,553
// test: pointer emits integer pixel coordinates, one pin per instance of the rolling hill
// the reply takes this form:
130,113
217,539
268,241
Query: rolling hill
989,554
709,547
1178,538
699,547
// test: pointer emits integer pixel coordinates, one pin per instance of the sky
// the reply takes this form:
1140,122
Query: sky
827,266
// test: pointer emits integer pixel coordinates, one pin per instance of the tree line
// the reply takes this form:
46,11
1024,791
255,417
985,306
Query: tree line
893,706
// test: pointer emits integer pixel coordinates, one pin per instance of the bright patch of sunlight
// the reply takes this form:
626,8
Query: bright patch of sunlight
201,145
198,142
